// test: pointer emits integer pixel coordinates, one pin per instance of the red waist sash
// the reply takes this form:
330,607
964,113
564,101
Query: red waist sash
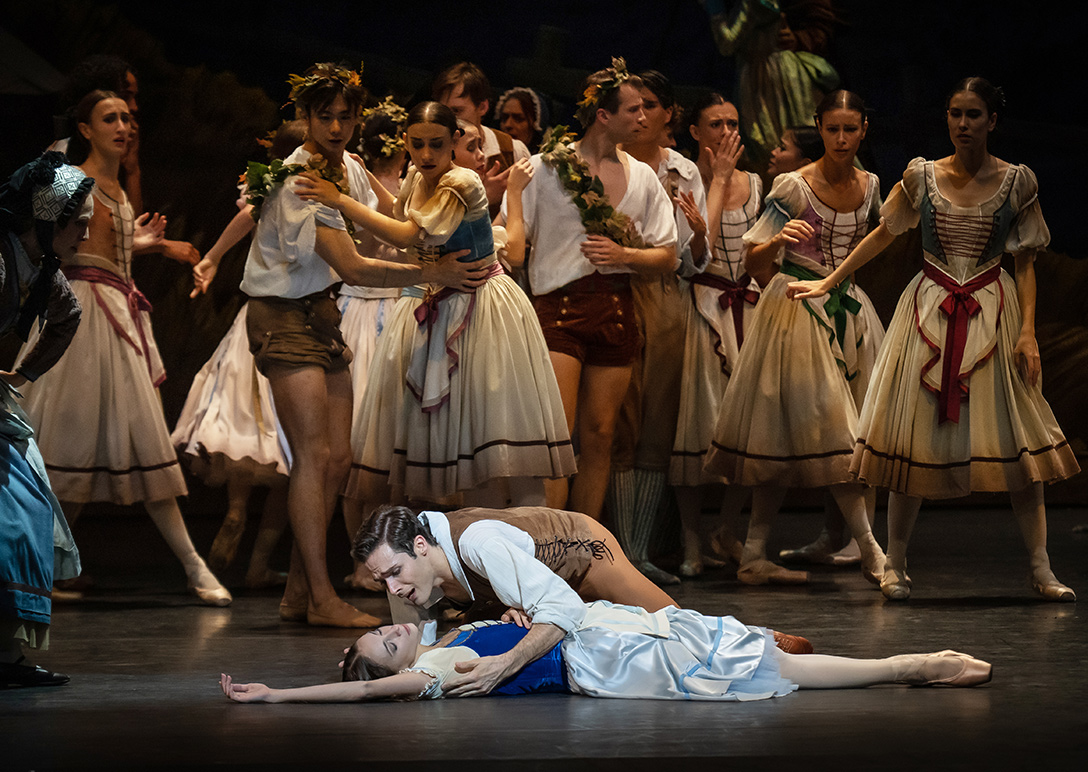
135,300
734,294
959,306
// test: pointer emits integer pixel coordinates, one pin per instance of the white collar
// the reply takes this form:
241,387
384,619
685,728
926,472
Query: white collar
440,529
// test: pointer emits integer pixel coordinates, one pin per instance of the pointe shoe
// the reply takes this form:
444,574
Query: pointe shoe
850,555
656,575
873,568
212,596
1048,586
290,613
895,585
338,613
759,572
928,670
792,644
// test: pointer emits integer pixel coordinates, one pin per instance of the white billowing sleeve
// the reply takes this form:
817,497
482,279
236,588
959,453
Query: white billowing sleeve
505,556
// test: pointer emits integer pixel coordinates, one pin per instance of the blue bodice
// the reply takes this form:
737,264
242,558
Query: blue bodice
547,674
475,235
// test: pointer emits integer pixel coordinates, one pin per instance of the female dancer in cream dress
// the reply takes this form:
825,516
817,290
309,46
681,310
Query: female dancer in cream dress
723,301
789,413
97,413
956,404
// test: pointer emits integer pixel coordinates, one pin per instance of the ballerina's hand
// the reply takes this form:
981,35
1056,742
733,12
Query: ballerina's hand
244,692
149,231
1026,356
203,273
723,161
800,290
495,181
310,187
795,231
521,174
686,202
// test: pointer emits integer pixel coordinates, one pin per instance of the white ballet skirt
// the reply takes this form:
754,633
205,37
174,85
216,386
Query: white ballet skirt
228,424
97,414
472,400
789,413
629,653
1002,435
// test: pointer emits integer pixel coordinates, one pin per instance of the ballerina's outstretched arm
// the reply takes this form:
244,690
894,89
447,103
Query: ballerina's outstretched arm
402,685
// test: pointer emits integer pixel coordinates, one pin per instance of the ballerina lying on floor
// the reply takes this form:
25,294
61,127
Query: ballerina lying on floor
616,651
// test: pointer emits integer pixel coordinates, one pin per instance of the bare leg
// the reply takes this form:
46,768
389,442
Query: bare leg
1030,511
754,566
269,533
851,500
166,516
314,409
615,579
225,545
600,394
356,512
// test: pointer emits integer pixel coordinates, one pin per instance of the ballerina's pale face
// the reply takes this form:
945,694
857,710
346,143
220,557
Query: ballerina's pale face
469,151
969,121
842,131
331,127
391,646
109,128
431,149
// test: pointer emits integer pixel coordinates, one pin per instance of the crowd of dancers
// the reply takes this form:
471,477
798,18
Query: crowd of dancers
440,317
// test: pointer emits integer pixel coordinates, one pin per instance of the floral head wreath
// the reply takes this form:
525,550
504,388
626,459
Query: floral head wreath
322,75
391,144
595,93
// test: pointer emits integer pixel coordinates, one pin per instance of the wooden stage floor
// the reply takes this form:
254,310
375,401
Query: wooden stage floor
145,657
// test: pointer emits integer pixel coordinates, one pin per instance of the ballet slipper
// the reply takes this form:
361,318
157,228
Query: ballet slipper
762,571
873,563
1047,585
791,644
263,580
949,668
292,613
204,585
339,613
895,584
